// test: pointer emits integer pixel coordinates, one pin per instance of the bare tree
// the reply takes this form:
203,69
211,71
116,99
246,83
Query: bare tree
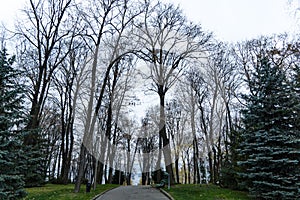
45,43
148,152
65,90
51,129
45,36
176,125
169,41
208,83
146,146
103,20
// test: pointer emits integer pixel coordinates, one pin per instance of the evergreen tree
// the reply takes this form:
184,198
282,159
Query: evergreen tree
295,82
230,169
11,155
270,141
35,171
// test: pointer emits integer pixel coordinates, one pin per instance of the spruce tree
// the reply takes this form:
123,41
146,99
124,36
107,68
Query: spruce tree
270,139
35,171
11,155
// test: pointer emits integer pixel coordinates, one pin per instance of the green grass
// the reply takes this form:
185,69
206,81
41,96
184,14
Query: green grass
209,192
63,192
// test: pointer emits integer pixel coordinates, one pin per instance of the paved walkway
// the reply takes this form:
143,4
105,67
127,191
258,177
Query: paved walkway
133,193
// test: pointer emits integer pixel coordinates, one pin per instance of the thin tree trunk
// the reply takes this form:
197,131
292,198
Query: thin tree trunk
128,175
215,173
59,163
184,170
189,171
104,141
87,127
158,167
81,168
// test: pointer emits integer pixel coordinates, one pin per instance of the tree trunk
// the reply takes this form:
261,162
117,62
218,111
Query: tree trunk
158,167
163,135
189,170
105,174
128,175
101,161
184,171
81,169
69,137
144,177
177,170
88,127
100,172
211,169
128,179
215,165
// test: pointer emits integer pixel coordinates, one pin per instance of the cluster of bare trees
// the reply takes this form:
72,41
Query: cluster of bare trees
80,61
210,99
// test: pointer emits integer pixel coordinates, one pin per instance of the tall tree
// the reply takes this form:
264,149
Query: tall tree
64,84
45,42
168,43
270,140
103,21
42,51
11,133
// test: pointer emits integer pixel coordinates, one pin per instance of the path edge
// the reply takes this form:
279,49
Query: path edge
166,194
98,195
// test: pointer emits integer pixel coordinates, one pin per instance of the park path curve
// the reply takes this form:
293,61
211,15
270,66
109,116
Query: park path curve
133,193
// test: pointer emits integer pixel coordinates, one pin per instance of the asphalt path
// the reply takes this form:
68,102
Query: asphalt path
133,193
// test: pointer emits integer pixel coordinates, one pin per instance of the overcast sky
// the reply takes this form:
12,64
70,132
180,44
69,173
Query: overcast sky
230,20
233,20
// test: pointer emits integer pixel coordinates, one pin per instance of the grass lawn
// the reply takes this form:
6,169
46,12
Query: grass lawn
209,192
63,192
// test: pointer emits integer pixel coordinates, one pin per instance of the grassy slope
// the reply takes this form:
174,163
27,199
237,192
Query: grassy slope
63,192
209,192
